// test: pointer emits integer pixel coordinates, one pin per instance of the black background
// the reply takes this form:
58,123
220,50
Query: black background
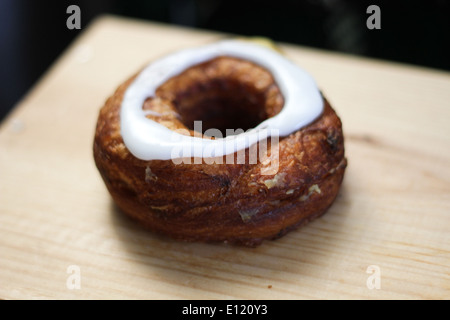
34,33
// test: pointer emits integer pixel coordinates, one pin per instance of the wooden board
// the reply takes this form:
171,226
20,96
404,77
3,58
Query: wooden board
392,214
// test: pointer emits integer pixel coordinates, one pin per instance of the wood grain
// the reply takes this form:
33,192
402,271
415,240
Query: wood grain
393,210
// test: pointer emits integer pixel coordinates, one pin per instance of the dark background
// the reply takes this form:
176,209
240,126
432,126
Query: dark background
34,33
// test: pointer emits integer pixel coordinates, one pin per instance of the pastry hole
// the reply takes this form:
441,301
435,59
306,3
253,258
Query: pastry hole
226,95
221,104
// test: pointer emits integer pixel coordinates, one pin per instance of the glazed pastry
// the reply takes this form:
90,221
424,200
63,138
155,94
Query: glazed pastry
228,142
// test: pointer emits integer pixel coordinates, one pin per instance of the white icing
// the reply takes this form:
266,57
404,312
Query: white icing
149,140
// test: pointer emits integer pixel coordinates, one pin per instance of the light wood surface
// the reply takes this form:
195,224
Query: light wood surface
393,211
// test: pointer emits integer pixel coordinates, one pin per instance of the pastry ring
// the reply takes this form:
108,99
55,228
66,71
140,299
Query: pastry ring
227,142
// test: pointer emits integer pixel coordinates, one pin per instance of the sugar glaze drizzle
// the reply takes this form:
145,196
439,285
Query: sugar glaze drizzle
148,140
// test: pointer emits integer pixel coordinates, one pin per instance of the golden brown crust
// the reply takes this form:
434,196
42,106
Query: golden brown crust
222,202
